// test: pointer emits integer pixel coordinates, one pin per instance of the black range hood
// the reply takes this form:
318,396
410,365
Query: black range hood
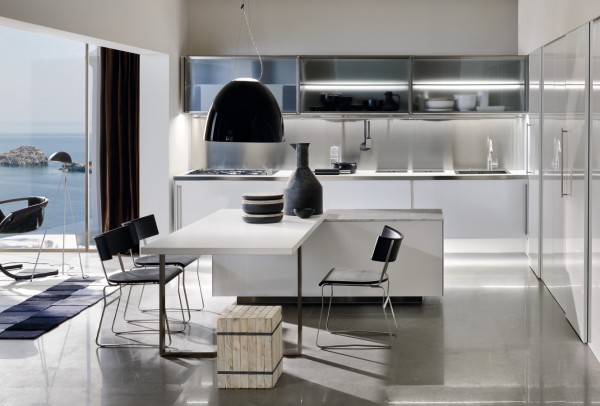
244,110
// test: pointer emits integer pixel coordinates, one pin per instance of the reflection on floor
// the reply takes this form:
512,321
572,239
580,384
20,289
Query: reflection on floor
496,337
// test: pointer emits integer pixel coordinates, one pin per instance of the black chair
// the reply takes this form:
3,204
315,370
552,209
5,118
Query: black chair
386,251
146,227
114,243
24,220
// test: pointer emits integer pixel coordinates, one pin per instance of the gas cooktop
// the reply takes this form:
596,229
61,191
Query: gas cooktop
231,172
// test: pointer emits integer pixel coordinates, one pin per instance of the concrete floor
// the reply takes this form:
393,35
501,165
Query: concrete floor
497,337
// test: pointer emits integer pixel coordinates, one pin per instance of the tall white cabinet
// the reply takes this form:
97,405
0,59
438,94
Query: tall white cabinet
534,160
564,175
594,212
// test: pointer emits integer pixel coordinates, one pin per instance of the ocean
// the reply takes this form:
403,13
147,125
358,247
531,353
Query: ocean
16,182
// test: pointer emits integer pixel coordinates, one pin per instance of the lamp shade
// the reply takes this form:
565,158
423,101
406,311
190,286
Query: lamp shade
244,111
61,156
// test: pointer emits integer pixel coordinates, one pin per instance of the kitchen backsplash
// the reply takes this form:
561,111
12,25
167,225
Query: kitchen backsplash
411,143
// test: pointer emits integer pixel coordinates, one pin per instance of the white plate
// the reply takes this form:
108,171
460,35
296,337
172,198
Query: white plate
439,104
438,109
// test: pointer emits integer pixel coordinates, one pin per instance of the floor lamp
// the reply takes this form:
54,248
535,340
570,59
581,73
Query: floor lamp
66,161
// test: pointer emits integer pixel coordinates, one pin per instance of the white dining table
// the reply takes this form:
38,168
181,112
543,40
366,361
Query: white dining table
224,232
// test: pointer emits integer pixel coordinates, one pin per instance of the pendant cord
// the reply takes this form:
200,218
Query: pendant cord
243,8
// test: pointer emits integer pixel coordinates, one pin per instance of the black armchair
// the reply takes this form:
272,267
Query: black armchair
24,220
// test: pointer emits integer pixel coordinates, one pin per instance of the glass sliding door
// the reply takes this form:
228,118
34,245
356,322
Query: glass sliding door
43,111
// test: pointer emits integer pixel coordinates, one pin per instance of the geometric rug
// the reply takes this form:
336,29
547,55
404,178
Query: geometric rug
44,311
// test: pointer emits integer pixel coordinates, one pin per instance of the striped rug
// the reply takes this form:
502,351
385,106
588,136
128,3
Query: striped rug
49,308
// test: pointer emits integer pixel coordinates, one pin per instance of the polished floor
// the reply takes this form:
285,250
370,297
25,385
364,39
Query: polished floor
497,337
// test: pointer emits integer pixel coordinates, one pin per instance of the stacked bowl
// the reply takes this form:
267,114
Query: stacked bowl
262,208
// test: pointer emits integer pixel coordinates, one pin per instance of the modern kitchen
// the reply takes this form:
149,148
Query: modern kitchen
469,126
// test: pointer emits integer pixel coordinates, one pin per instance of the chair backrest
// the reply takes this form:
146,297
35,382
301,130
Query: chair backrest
113,242
143,227
24,220
387,247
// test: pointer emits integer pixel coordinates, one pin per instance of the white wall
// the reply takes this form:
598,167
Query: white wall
543,21
356,27
146,27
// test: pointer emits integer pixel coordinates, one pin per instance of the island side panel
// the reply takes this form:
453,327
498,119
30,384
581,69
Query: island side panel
418,270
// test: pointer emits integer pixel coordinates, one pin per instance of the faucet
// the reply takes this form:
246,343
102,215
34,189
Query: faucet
490,163
368,142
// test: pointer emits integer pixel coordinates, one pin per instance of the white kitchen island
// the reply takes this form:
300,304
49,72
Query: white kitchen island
344,239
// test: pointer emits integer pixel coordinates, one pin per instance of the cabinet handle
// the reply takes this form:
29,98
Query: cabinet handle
526,209
528,147
178,217
562,162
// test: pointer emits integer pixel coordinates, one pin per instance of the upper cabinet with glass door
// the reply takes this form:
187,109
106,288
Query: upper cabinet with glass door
354,84
204,76
469,84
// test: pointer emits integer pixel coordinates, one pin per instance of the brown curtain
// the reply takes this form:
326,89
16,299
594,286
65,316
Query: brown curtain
119,137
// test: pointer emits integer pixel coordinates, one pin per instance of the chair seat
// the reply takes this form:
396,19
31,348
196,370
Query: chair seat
179,260
144,275
348,276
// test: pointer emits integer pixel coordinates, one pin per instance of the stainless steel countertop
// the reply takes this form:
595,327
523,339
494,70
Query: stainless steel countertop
364,175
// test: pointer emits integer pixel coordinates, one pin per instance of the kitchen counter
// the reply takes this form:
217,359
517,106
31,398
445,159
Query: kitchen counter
369,215
493,204
364,175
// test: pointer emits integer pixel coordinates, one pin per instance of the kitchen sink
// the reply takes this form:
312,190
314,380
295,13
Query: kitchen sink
481,172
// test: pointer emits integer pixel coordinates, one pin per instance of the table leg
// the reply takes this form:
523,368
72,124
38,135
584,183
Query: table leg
299,268
298,352
161,305
213,354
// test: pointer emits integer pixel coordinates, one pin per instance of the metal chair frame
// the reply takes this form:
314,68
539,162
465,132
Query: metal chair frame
385,250
143,228
107,248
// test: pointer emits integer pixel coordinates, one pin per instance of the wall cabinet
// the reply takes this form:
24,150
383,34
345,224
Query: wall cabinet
205,76
484,84
354,84
368,85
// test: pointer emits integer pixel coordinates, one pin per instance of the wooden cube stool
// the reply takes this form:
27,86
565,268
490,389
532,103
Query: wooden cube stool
249,347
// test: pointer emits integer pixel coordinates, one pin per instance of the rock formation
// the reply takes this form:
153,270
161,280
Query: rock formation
24,156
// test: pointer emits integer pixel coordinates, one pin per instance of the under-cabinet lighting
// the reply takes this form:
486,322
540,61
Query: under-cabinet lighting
443,82
464,86
347,87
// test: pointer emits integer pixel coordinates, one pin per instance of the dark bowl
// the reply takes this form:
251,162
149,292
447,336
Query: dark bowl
262,196
373,104
262,207
345,102
330,99
304,213
262,218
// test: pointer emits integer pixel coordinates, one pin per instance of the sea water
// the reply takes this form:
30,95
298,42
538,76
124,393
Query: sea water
17,182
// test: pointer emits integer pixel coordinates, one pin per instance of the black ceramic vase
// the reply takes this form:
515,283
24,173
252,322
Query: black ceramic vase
303,190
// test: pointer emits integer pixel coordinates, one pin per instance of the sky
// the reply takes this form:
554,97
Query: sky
42,83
